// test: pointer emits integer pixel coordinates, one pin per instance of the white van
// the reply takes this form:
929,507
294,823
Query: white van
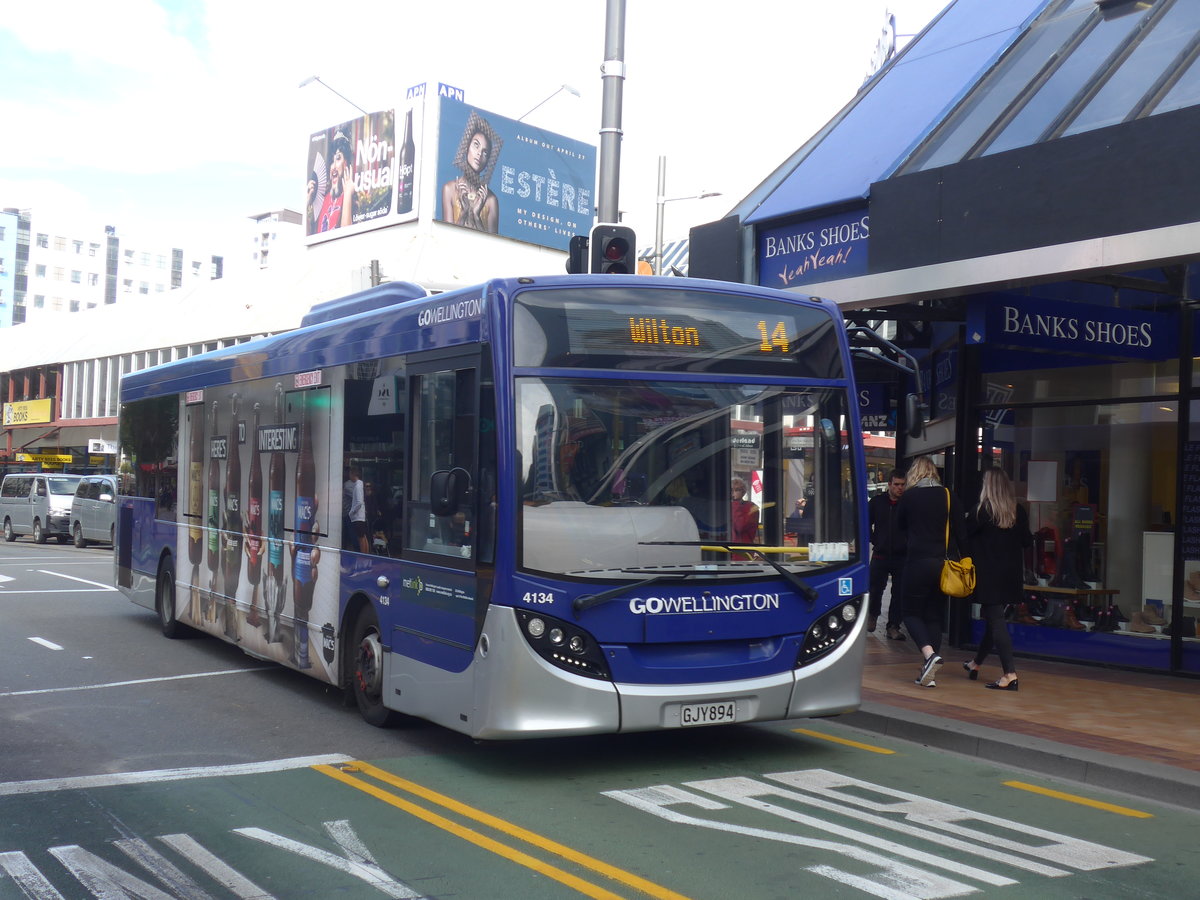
94,509
37,504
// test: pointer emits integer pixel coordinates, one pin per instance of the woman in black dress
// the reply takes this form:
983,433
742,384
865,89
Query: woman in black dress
998,534
923,513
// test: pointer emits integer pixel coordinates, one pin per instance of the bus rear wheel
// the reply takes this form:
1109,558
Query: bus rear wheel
164,601
367,674
39,536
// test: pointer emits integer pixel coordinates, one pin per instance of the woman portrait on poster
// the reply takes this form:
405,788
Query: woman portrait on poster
467,200
334,208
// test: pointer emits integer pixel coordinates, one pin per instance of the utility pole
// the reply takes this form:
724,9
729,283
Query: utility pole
613,73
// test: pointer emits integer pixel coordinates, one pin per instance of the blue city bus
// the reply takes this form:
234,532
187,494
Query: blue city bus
511,509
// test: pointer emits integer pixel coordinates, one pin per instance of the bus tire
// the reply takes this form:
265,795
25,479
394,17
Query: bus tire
164,601
39,536
9,534
366,674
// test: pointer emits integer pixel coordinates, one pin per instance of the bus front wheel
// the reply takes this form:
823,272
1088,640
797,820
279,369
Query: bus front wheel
9,534
164,601
367,674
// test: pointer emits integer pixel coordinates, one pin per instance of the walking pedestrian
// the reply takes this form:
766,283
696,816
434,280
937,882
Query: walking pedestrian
925,511
998,533
887,555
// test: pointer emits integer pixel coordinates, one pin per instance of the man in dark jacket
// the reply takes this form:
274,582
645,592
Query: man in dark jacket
887,557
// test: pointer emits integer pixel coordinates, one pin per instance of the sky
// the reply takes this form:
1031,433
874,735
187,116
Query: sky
186,116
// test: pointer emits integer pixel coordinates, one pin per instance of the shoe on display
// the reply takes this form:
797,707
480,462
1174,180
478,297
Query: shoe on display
930,669
1151,617
894,633
1138,626
1022,616
1070,622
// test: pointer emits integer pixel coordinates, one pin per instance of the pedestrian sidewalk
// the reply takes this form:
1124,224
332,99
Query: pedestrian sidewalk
1131,732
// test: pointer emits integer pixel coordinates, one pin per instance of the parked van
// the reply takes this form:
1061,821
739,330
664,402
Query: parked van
94,509
37,504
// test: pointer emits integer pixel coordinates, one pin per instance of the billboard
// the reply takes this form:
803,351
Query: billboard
500,176
362,173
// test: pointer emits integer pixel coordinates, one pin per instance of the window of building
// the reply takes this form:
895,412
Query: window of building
39,270
128,256
60,273
161,261
78,247
145,258
128,285
92,248
76,277
39,301
144,288
93,279
60,243
43,240
74,306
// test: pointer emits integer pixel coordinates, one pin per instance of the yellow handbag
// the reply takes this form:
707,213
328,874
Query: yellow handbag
958,575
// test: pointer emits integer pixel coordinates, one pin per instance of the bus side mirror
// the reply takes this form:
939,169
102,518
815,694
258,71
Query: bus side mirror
914,414
448,490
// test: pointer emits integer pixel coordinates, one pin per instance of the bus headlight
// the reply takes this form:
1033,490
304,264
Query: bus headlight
828,631
563,645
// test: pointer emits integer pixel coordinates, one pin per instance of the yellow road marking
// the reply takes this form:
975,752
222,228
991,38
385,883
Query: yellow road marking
1082,801
529,837
837,740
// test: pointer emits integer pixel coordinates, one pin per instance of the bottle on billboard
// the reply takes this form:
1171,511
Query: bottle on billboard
231,550
195,503
276,488
305,554
196,485
254,542
213,520
406,168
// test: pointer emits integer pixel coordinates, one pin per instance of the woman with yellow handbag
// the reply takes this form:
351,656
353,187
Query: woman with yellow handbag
925,515
998,531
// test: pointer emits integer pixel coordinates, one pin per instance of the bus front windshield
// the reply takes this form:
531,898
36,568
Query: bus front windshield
622,478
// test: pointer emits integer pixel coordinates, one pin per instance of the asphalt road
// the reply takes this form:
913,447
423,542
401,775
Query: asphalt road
133,766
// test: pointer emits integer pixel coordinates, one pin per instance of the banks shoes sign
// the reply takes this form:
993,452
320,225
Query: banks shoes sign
816,250
1060,326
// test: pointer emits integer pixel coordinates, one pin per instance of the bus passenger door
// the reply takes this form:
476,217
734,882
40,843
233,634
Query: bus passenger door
435,621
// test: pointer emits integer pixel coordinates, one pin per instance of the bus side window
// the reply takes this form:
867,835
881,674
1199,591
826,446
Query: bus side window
445,429
373,441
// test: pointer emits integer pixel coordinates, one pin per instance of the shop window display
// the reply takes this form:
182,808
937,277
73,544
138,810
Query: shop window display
1099,483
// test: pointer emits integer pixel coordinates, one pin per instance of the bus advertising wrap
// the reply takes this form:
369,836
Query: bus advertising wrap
501,176
362,174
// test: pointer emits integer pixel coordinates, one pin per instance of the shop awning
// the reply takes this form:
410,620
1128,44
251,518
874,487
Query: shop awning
894,112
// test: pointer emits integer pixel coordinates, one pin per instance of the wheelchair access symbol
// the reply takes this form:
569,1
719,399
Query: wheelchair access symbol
845,587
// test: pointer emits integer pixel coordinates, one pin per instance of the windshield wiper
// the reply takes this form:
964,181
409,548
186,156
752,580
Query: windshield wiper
586,602
809,592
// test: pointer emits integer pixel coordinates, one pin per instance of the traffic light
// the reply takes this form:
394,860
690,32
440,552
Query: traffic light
577,262
612,250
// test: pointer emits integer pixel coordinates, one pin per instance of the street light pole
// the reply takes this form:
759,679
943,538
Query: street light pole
317,78
561,88
662,201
